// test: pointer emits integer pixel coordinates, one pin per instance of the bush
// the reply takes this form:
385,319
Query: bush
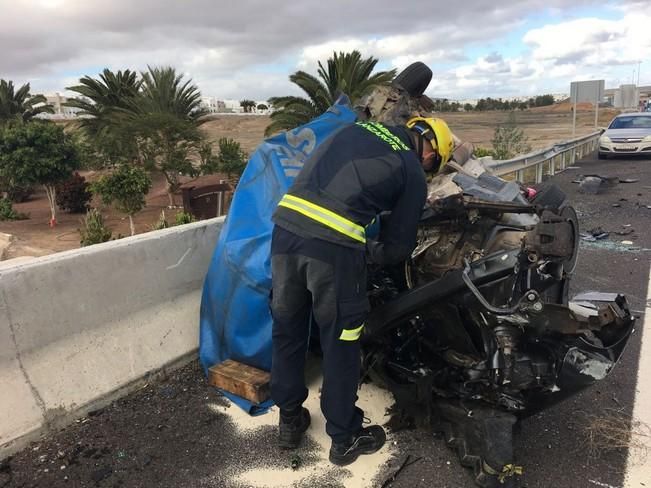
93,229
16,193
509,140
37,153
209,161
232,160
126,188
184,218
74,194
7,211
480,152
161,223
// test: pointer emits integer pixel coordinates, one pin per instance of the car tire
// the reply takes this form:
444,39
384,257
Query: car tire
549,195
414,79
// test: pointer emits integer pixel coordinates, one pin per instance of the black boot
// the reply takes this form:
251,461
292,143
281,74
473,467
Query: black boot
291,429
367,441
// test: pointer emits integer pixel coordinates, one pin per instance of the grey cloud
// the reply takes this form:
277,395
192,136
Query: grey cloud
51,43
573,57
605,36
494,57
524,72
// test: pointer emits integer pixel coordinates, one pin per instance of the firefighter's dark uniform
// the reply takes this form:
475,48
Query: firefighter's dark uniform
319,259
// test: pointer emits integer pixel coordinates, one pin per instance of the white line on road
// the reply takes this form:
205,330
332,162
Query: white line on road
638,470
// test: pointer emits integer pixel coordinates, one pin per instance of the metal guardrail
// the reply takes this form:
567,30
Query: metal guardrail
536,166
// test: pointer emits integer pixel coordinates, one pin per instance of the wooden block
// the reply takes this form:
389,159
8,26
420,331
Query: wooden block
241,379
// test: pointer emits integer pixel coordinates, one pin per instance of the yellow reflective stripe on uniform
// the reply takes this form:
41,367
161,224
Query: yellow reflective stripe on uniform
325,217
385,134
351,334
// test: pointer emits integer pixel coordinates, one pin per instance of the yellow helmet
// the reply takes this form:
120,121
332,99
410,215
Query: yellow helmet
438,133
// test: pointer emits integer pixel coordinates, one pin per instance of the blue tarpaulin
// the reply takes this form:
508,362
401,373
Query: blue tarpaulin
235,319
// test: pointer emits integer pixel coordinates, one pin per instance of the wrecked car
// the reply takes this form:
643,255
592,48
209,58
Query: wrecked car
477,329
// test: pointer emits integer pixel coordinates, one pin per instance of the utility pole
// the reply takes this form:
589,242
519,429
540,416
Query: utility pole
639,63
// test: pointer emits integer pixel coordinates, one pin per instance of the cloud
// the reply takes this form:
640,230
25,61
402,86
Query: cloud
593,41
558,53
494,57
248,48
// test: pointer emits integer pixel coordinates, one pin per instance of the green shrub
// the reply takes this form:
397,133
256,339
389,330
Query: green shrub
184,218
209,161
480,152
37,153
17,193
73,194
232,160
161,223
93,230
7,211
125,188
509,140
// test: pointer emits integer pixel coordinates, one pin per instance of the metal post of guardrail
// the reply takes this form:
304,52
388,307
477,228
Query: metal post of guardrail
562,161
539,173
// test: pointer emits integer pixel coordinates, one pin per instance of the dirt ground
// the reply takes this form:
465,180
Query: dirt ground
543,126
34,237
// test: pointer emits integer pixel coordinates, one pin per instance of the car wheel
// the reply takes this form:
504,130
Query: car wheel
549,195
414,79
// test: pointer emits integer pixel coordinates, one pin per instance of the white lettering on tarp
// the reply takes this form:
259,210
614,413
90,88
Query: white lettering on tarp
304,140
300,144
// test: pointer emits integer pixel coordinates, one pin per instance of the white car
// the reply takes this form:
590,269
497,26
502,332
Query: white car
628,133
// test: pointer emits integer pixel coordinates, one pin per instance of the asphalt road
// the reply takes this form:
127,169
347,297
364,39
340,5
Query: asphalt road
165,436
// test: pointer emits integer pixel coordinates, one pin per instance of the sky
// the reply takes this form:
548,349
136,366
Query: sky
248,48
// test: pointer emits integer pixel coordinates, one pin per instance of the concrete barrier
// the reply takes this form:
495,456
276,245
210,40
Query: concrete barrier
79,328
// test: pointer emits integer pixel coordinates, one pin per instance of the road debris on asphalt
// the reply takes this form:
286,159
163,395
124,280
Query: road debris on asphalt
595,234
626,231
595,184
405,464
604,485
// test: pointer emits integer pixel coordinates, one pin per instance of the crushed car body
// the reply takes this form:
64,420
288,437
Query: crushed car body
477,329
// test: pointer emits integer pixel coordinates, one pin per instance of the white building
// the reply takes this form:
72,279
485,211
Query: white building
233,106
213,105
60,110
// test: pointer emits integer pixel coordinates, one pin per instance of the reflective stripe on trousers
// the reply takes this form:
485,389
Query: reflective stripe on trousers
351,334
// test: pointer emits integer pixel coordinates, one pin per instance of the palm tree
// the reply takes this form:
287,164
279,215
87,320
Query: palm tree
103,105
166,118
104,99
20,104
151,120
347,73
247,105
164,91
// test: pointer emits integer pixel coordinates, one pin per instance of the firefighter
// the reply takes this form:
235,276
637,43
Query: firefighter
318,260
